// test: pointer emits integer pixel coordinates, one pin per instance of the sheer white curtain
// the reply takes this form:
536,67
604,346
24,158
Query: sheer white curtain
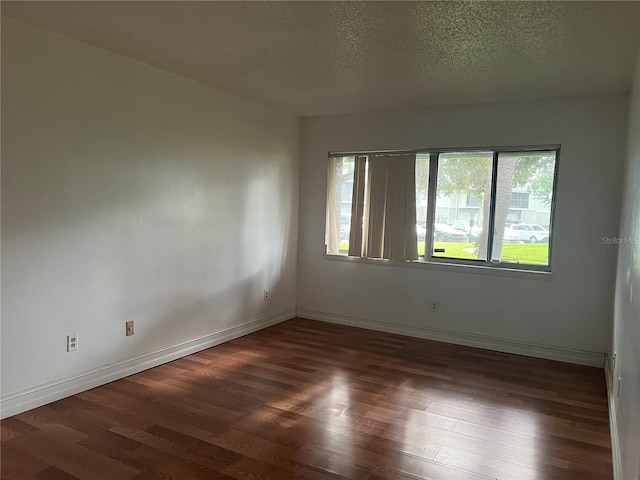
332,230
390,209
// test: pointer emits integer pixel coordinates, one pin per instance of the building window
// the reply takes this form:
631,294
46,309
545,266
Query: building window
472,200
520,200
477,207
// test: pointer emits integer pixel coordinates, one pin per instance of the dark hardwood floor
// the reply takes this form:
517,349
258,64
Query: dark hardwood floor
309,400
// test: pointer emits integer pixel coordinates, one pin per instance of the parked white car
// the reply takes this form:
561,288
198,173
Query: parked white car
530,233
510,236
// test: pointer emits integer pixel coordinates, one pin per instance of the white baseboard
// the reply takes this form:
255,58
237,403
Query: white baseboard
613,422
580,357
24,400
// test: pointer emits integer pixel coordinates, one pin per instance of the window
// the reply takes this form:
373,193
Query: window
340,188
519,200
472,200
458,173
527,242
469,206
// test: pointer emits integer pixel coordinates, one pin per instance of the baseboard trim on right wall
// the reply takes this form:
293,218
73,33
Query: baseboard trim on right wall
613,422
579,357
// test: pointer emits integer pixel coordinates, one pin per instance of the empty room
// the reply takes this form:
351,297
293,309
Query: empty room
325,240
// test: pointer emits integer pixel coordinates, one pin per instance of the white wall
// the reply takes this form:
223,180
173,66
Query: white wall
570,309
626,336
129,193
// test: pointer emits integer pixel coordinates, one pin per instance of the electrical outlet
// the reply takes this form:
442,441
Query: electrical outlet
435,306
129,327
266,295
72,342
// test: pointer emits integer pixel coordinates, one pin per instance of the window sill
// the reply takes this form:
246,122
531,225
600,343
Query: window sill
502,270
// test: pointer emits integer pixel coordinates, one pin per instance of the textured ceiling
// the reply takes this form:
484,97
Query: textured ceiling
313,58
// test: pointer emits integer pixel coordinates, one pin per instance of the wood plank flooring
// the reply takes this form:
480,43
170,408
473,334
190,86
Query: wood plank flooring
309,400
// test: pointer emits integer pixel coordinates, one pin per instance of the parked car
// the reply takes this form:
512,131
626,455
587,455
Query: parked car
510,236
530,232
421,232
460,227
473,233
445,233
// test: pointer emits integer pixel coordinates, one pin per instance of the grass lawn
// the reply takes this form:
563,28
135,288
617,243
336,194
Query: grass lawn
531,254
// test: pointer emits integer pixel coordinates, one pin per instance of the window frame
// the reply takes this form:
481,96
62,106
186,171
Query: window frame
434,153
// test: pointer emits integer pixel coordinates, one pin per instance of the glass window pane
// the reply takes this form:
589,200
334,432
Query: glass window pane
524,195
422,193
462,205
